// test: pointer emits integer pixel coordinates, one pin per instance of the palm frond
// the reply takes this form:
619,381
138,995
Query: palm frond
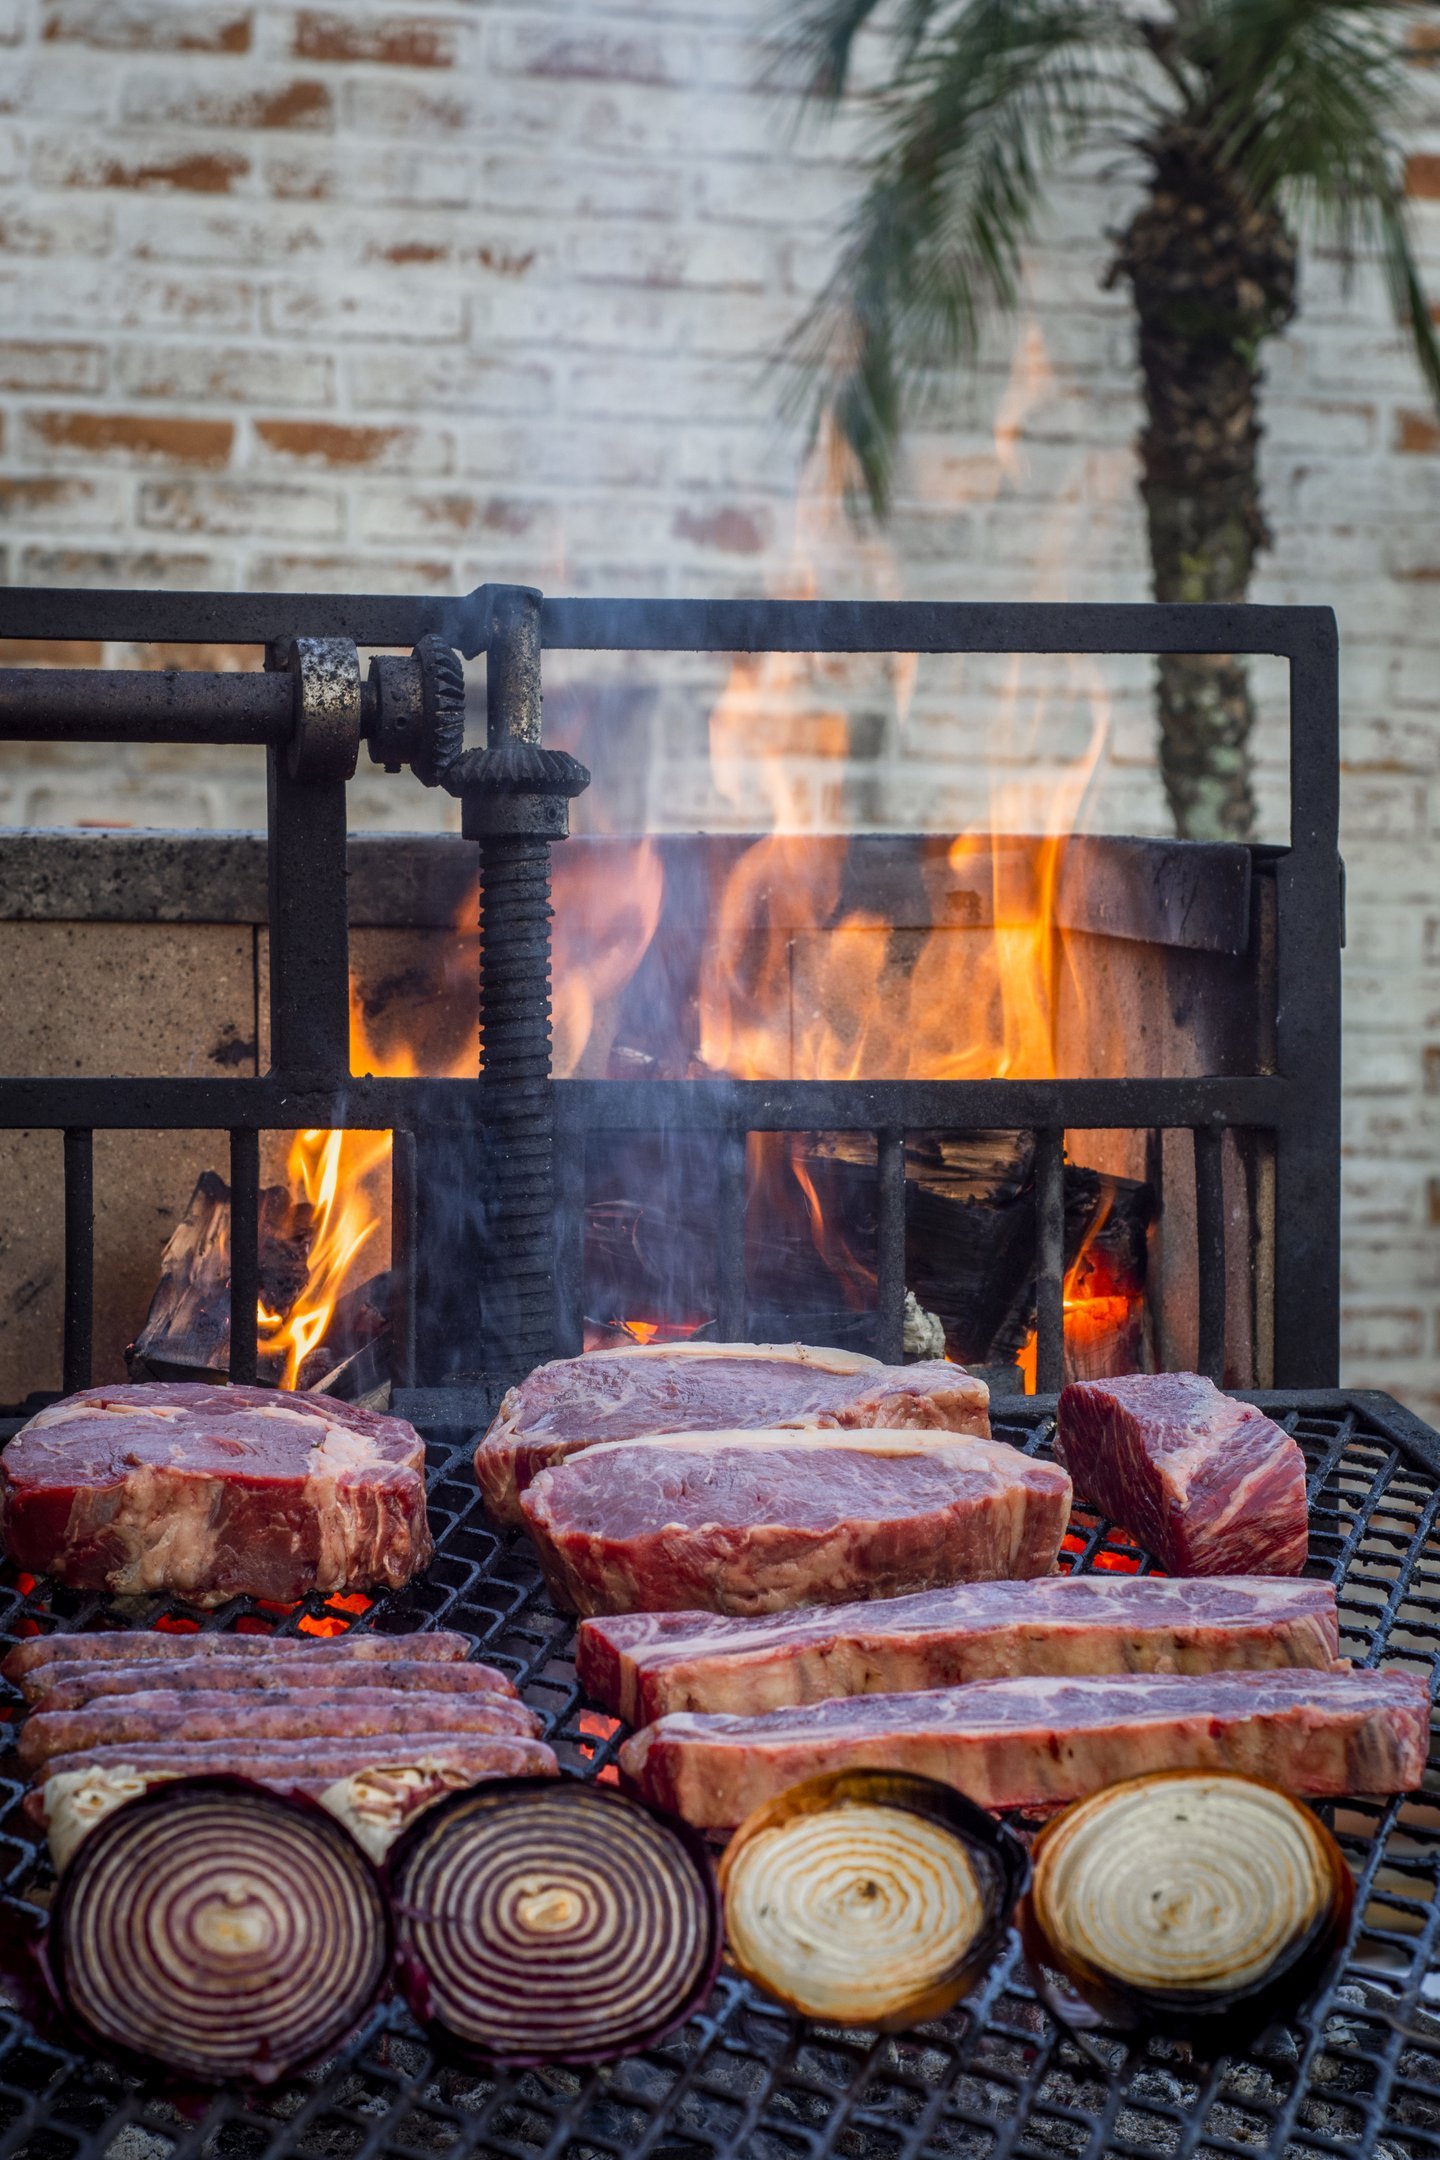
1307,102
985,97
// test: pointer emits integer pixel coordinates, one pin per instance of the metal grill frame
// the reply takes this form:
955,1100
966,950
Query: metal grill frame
1297,1105
1355,2075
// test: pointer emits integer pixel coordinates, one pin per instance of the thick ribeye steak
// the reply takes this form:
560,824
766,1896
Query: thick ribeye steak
641,1665
1208,1485
1037,1743
750,1522
708,1387
212,1492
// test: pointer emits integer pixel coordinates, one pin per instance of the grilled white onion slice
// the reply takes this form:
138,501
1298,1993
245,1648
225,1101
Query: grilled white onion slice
545,1922
869,1898
220,1930
1187,1895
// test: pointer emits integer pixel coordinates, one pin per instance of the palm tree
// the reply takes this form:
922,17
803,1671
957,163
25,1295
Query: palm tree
1242,120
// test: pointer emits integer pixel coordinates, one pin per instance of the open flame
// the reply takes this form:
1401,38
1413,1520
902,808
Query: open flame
798,978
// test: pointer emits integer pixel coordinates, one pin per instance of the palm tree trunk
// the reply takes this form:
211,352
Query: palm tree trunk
1213,276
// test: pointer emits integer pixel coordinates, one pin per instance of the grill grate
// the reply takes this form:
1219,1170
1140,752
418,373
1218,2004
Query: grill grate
1360,2075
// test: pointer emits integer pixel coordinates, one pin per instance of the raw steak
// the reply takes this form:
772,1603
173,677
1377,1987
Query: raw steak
641,1665
26,1665
707,1387
160,1714
214,1492
1208,1485
750,1522
1039,1743
254,1679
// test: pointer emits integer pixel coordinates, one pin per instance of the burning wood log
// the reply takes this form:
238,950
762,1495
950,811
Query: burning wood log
186,1335
812,1239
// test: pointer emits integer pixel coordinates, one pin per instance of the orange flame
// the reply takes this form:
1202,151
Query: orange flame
607,914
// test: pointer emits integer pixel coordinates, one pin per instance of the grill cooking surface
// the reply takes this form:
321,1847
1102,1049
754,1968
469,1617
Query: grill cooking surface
995,2078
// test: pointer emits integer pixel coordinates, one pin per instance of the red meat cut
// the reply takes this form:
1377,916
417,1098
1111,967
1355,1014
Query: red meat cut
709,1387
1208,1485
1040,1743
213,1492
750,1522
641,1665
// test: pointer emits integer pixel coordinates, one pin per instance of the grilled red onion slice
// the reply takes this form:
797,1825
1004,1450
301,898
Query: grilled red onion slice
220,1930
552,1923
1199,1902
869,1897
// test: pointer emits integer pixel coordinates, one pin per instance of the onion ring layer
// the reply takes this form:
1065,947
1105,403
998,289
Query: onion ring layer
1189,1892
542,1922
869,1898
220,1930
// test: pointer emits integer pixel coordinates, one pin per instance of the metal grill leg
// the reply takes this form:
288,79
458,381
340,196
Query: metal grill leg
1050,1261
244,1253
79,1257
402,1257
1210,1249
730,1270
890,1239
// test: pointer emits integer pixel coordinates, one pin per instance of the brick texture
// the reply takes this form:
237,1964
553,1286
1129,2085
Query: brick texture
408,296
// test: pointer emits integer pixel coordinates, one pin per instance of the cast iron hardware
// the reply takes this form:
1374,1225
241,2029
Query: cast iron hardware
505,1128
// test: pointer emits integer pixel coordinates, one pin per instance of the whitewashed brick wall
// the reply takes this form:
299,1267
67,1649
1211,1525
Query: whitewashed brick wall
406,297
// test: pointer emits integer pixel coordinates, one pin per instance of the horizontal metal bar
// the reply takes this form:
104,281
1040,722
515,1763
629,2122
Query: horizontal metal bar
272,1103
923,626
144,705
201,618
915,1105
665,625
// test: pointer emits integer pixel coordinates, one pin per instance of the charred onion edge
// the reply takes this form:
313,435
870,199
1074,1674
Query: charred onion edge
996,1855
693,1875
176,1795
1083,1997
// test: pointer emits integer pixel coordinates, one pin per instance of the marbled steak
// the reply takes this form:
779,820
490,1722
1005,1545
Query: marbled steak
752,1522
641,1665
706,1387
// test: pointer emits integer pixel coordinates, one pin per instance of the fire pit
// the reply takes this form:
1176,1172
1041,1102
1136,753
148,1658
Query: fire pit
995,2077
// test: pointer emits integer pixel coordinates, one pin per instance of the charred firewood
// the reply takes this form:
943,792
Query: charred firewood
186,1334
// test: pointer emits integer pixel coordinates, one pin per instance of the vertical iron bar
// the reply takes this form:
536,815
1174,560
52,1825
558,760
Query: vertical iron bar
244,1253
570,1247
517,1277
890,1246
730,1269
79,1256
309,929
1210,1249
1308,935
1049,1261
403,1185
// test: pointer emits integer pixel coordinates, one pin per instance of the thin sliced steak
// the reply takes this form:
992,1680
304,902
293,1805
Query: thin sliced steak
1040,1743
132,1646
1208,1485
210,1493
710,1387
641,1665
72,1686
752,1522
160,1715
